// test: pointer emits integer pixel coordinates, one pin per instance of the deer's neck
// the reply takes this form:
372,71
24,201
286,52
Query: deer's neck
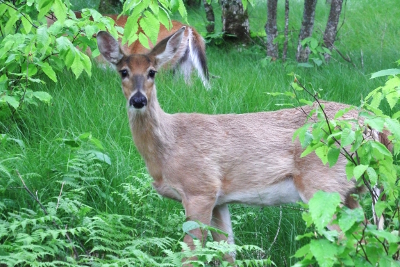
151,131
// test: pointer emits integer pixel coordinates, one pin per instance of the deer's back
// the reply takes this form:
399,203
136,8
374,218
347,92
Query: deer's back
248,157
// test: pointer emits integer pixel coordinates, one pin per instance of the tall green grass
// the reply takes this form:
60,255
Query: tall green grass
241,80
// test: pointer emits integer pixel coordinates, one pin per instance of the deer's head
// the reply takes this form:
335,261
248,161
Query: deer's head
138,70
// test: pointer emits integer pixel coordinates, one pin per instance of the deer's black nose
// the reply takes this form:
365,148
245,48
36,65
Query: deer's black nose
138,100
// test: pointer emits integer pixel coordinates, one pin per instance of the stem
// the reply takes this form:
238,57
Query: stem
45,212
277,231
59,196
13,7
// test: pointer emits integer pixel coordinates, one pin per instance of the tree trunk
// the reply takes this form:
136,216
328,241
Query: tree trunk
285,43
235,20
192,3
109,6
306,29
210,27
331,26
271,29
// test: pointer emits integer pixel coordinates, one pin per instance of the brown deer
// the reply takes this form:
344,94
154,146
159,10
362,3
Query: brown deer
192,51
209,161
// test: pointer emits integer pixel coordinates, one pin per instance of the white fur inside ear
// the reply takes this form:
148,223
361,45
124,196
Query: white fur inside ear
171,48
109,47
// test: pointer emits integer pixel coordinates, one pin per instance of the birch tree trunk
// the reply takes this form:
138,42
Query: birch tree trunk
306,29
235,19
271,29
210,27
285,43
331,26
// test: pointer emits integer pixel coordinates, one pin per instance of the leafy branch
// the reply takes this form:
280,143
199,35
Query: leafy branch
371,145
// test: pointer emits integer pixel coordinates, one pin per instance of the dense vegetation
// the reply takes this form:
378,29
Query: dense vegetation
72,182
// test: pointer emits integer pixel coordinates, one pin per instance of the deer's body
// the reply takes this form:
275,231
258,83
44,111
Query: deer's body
209,161
247,158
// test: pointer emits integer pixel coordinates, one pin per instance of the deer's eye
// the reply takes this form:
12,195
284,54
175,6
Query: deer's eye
152,73
124,73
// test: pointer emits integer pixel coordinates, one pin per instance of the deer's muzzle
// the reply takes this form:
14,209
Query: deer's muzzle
138,100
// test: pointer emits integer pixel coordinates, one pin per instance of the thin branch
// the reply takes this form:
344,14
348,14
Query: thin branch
277,231
45,212
13,7
348,59
59,197
359,242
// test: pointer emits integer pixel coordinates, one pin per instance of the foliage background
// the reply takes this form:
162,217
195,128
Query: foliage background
77,157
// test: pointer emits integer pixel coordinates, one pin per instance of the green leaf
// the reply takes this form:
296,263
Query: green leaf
349,217
333,155
174,5
373,177
359,171
182,10
77,66
150,26
380,207
60,11
42,96
396,115
48,70
381,149
322,153
348,137
90,30
87,63
394,127
144,40
375,123
391,238
190,225
322,208
44,7
385,73
11,100
101,156
324,252
131,29
164,18
154,7
303,251
26,23
349,170
311,148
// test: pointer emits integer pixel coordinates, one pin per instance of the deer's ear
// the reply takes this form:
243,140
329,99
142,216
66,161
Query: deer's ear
165,50
109,47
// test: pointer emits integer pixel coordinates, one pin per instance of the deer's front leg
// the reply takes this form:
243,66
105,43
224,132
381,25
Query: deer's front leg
198,208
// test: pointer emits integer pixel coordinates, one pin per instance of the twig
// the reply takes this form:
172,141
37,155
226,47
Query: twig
285,43
59,197
360,243
348,59
362,59
13,7
31,194
45,212
277,231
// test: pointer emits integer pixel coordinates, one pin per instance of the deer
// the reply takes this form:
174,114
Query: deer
192,53
207,161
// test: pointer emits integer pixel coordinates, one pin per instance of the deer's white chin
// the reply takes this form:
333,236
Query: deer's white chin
134,111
